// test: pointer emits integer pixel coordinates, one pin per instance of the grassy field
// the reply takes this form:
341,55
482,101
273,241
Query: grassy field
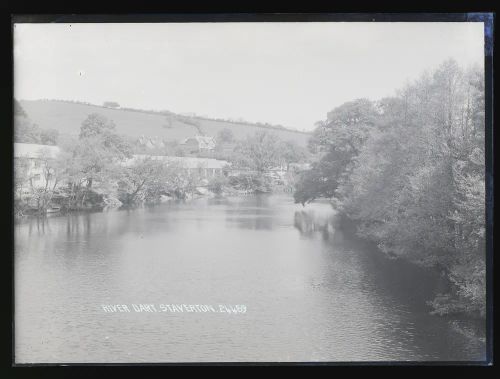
67,118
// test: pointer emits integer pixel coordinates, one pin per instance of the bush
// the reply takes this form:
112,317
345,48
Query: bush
251,182
218,184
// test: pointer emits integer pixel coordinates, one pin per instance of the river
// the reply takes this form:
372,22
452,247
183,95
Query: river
311,290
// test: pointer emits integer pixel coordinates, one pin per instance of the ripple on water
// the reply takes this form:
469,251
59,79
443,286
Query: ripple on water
313,293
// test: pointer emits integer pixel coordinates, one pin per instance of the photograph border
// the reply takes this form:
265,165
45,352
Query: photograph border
486,17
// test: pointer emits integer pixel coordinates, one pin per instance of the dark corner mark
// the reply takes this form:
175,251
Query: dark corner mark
488,19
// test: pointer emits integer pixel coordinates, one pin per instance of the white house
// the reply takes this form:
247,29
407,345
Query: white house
36,157
205,167
198,144
151,142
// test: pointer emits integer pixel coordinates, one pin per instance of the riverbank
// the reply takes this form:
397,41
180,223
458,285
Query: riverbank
111,203
436,284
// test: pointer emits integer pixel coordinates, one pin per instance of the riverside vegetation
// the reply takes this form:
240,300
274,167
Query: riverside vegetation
95,170
410,170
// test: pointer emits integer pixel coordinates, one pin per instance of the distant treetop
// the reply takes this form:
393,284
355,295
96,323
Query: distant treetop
111,104
18,109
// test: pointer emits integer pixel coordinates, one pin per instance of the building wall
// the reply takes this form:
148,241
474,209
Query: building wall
35,174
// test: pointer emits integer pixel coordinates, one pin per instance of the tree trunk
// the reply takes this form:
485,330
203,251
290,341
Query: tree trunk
83,200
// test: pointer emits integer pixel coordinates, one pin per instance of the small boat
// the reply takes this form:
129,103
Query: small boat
201,190
262,190
53,209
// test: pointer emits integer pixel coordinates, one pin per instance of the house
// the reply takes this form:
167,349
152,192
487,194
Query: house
299,167
151,142
226,148
198,144
204,167
36,160
38,173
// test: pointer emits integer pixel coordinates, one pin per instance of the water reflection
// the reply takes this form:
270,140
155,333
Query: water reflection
251,212
309,222
314,291
37,225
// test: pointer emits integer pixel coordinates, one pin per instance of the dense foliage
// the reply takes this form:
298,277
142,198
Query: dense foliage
97,170
410,170
26,131
263,151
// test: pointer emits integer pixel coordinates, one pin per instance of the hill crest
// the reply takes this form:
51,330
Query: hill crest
67,116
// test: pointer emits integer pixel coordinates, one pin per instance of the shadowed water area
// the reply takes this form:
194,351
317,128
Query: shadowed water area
312,290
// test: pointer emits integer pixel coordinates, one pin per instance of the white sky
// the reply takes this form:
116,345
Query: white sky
282,73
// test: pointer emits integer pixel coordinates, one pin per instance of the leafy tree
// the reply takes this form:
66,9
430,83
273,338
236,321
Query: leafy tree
339,139
49,136
346,127
96,124
21,182
137,178
291,152
50,172
111,104
25,131
19,110
319,181
93,159
176,181
410,171
225,136
258,152
218,184
251,182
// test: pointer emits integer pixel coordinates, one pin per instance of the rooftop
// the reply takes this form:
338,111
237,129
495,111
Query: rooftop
204,142
33,150
186,162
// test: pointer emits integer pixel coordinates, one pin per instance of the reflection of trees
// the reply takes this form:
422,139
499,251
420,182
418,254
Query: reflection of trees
307,222
38,225
80,225
253,222
253,212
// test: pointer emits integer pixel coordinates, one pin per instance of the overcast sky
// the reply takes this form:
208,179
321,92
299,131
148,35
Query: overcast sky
282,73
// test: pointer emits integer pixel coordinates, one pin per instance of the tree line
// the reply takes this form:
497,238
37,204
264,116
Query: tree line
27,132
96,170
410,170
90,172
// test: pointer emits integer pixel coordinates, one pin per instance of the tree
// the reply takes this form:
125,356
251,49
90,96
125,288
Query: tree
111,104
136,180
96,124
320,181
339,139
19,110
225,136
169,122
42,195
409,170
291,152
346,127
218,184
25,131
49,136
21,181
91,164
258,152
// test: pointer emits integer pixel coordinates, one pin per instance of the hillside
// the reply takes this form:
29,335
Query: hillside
66,117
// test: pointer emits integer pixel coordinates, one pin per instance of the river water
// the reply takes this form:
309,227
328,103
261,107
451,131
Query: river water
311,291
